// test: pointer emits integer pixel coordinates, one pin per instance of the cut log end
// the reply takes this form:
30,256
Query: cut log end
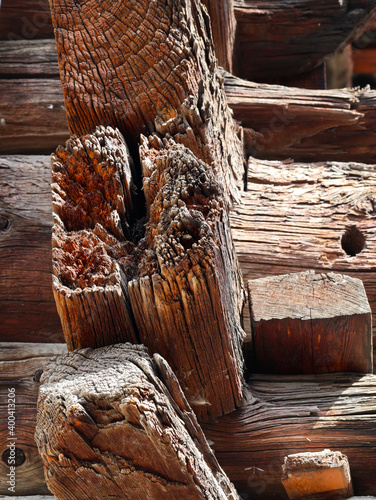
107,425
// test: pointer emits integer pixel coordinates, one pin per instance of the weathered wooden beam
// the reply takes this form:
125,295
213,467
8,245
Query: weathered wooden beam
323,475
144,77
21,365
32,116
223,24
114,422
27,309
283,415
310,323
28,59
295,217
307,125
289,37
25,20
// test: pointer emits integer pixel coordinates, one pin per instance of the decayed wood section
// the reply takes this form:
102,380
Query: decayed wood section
27,309
25,20
93,257
187,298
289,37
144,76
310,323
306,125
20,367
288,414
32,116
114,422
297,216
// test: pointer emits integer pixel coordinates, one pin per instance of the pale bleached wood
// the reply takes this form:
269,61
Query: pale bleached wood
126,414
21,365
289,414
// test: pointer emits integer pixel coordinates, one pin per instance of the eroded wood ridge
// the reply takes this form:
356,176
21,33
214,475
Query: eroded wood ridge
286,414
107,425
152,68
188,296
283,38
93,257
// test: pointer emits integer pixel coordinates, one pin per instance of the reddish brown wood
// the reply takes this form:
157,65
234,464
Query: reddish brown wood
25,20
310,323
290,37
114,422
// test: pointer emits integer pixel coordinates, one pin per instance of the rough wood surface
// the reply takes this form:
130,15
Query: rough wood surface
324,475
28,59
283,415
93,257
223,24
25,20
144,76
27,309
114,422
317,216
307,125
20,367
310,323
32,116
187,298
282,38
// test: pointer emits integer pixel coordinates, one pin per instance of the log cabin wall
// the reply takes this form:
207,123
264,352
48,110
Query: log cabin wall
33,124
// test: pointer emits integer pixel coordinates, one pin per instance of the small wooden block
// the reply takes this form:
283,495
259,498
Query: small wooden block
319,475
310,323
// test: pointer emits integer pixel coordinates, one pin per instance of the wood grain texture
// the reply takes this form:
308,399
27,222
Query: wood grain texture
114,422
283,415
294,217
20,367
283,38
144,76
25,20
223,25
307,125
92,255
27,309
187,297
28,59
310,323
32,116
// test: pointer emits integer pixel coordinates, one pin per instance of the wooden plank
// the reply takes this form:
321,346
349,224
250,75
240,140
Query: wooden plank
310,323
25,20
284,38
113,422
364,60
21,365
32,116
283,415
28,59
297,216
307,125
27,308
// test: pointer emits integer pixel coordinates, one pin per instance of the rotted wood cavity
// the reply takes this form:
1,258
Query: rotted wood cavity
93,257
112,422
143,76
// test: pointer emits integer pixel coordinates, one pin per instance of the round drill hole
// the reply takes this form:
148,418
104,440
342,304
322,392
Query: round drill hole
4,222
13,456
353,241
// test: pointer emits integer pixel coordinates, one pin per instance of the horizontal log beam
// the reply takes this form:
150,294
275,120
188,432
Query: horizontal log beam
286,38
307,125
28,59
21,365
25,20
283,415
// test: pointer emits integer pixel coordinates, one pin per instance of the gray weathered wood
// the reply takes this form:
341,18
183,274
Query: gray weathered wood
125,413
